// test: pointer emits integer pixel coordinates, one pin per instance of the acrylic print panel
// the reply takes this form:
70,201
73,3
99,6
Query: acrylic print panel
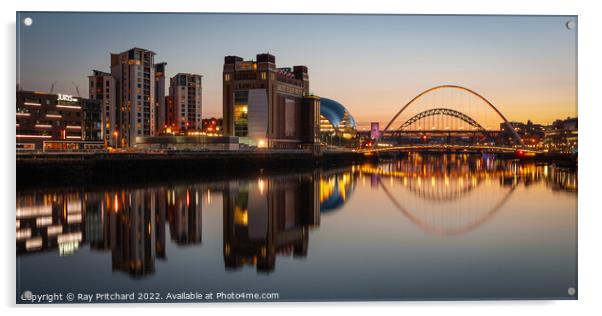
279,157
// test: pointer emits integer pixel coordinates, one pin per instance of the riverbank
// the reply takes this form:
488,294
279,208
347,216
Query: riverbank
59,169
81,168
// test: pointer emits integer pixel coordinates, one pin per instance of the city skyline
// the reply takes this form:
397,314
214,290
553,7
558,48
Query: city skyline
222,157
529,62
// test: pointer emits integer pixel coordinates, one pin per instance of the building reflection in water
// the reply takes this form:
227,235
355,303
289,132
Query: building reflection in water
267,217
49,221
336,187
185,216
131,223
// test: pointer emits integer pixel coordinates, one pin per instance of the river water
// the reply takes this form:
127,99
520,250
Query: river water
438,227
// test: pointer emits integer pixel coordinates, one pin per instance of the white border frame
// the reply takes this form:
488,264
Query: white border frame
590,104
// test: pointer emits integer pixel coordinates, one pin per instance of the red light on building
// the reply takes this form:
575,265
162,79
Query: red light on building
520,153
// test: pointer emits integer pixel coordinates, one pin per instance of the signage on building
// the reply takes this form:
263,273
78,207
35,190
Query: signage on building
67,97
245,65
374,130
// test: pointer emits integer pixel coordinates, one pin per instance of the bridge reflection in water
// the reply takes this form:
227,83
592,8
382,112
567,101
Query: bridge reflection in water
270,216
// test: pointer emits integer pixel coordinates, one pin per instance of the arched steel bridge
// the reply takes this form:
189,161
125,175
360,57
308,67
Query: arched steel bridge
448,112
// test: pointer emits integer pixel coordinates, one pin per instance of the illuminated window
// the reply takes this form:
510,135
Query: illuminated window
241,109
264,75
227,77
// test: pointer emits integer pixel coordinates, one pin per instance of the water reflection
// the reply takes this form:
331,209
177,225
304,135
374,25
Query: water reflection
271,216
454,194
267,218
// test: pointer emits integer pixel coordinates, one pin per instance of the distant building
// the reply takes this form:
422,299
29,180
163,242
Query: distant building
530,133
562,135
264,105
185,91
91,120
134,74
102,88
132,97
160,106
170,118
48,122
337,125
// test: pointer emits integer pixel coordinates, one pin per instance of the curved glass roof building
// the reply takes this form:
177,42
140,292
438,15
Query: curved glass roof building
335,118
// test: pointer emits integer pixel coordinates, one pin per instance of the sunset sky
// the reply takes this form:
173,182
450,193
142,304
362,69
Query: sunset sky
373,64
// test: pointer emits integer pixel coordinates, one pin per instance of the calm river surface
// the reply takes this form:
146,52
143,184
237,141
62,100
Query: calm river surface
422,227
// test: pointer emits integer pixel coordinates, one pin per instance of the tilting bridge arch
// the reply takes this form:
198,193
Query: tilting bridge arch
453,113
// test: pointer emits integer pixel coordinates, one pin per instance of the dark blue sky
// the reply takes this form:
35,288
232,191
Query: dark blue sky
372,64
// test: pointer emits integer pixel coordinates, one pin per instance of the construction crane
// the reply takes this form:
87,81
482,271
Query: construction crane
52,86
76,89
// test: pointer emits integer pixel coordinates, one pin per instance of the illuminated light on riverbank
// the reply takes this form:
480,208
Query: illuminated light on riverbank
262,143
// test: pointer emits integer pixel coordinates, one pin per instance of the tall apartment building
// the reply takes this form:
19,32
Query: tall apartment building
134,74
185,91
160,106
267,106
170,118
103,89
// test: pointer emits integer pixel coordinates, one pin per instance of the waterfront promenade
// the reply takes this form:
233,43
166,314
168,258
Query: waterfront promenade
59,168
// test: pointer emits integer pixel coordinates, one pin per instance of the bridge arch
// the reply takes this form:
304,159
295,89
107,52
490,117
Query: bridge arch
442,111
495,109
